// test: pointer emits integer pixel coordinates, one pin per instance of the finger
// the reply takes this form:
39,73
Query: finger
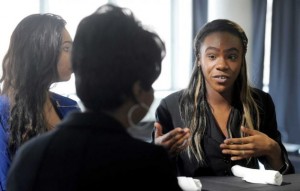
224,146
237,141
175,136
235,158
232,153
240,154
186,130
179,133
237,146
184,140
184,145
180,144
158,129
248,131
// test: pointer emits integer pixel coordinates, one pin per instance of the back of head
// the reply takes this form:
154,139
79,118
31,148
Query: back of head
112,51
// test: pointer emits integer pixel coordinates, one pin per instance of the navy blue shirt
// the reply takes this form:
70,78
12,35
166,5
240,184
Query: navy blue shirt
62,105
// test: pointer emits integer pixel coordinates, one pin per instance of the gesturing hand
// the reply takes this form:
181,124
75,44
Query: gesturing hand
174,141
254,144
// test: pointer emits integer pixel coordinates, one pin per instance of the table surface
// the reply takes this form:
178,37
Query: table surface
290,182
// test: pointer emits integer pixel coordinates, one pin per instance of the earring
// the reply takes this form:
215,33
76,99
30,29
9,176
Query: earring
132,109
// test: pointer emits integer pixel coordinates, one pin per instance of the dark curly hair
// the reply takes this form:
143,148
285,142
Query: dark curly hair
112,51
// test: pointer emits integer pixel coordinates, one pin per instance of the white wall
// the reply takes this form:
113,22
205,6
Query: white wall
11,13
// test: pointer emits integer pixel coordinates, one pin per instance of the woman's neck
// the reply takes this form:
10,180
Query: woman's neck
219,100
220,105
120,114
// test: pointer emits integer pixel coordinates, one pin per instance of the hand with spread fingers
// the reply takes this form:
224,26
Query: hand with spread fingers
254,144
174,141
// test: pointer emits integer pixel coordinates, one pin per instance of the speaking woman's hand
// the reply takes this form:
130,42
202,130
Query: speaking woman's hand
174,141
255,144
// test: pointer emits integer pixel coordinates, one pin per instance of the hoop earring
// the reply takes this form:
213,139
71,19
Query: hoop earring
132,109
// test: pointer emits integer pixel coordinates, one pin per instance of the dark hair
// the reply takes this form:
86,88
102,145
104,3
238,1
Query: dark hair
194,114
29,69
220,25
111,52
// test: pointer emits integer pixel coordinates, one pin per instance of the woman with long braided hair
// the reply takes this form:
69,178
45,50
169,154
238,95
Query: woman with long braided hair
219,120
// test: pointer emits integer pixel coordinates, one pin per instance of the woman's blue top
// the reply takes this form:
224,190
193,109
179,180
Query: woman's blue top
62,105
